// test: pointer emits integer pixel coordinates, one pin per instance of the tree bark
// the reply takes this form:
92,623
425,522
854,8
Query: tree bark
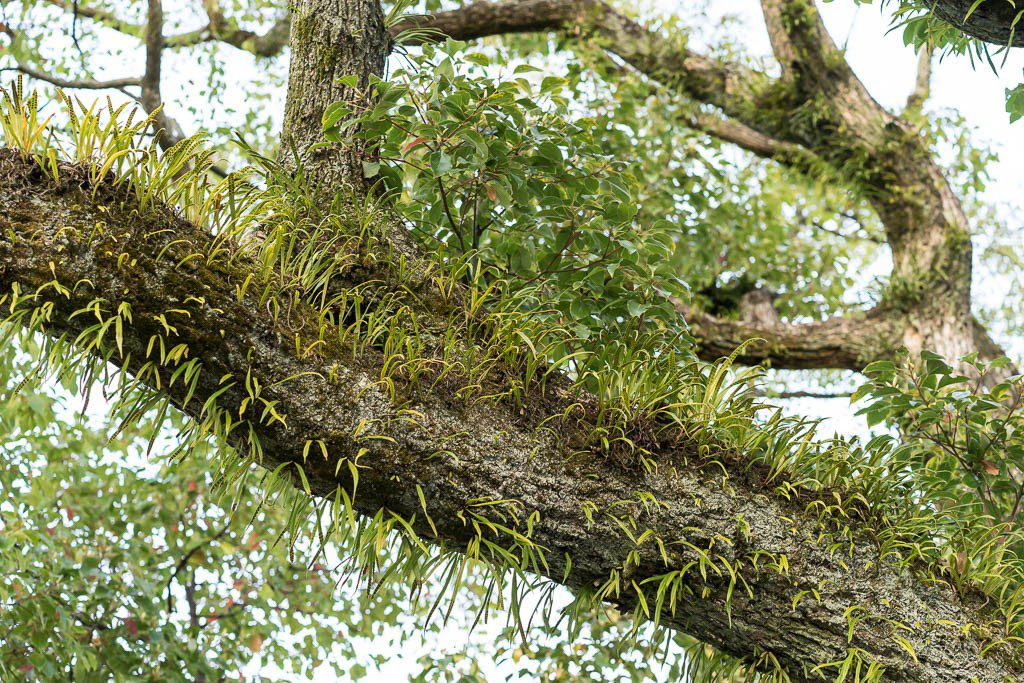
845,343
713,507
99,247
331,39
993,21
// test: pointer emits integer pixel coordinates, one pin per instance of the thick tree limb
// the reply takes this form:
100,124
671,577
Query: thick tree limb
993,21
460,453
842,343
925,224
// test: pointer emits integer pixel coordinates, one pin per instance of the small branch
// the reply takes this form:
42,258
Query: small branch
859,233
100,16
167,131
226,31
183,562
151,99
847,236
190,598
923,80
220,29
76,83
754,141
805,394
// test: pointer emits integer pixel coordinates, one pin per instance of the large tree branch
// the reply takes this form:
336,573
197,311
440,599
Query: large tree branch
460,454
841,343
925,224
102,251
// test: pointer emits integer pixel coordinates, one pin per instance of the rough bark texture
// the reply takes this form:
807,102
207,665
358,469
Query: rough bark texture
925,225
331,39
458,452
994,21
498,452
848,343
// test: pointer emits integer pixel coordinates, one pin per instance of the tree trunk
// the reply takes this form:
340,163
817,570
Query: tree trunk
331,39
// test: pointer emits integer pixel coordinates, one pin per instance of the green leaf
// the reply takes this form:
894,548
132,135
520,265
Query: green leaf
635,308
335,112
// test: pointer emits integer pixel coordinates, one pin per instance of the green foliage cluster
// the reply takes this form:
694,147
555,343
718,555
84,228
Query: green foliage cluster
525,188
595,194
965,435
641,384
116,564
